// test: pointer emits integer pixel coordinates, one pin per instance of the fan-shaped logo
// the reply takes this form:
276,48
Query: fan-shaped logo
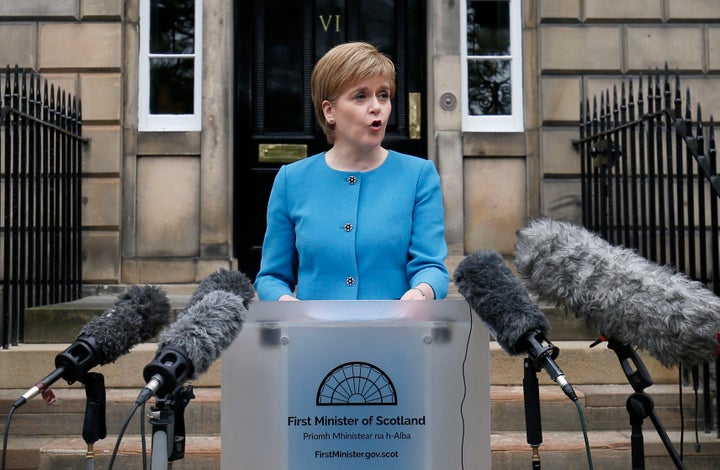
356,384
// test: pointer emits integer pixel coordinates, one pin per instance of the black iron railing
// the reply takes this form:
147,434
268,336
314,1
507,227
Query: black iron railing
650,182
40,158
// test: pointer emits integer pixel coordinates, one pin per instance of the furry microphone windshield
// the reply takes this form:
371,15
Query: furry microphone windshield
206,329
500,300
235,282
189,346
624,296
137,315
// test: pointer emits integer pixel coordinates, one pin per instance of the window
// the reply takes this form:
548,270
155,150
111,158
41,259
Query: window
492,65
170,68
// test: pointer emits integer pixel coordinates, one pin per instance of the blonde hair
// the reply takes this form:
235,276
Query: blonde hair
341,67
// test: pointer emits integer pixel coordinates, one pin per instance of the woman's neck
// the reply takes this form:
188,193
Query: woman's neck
345,160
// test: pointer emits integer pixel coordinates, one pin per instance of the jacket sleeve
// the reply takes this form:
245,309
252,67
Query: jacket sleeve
428,248
278,265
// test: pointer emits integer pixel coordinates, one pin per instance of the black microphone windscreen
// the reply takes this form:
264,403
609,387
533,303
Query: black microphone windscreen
233,281
623,295
500,300
206,329
137,315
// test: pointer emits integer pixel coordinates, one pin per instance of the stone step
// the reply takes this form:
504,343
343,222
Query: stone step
603,408
65,416
609,450
24,365
48,437
72,453
60,323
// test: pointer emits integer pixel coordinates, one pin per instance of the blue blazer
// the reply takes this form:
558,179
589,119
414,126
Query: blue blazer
340,235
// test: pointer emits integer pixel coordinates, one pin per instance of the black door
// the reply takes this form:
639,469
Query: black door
277,42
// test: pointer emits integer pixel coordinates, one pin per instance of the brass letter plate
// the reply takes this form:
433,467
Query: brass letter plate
415,117
281,153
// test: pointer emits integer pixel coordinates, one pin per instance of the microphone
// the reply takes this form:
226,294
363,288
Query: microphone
235,282
198,337
624,296
498,297
137,315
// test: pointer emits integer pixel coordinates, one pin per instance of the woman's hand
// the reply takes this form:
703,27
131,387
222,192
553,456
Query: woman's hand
422,291
287,297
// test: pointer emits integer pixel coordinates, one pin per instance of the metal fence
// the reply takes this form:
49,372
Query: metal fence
650,182
40,165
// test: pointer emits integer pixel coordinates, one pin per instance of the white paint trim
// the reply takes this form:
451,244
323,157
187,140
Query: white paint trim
514,122
167,122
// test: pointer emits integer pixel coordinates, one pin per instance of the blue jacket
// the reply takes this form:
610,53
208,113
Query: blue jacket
340,235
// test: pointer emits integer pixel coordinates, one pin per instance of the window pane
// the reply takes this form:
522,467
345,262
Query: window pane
172,26
489,87
488,27
171,86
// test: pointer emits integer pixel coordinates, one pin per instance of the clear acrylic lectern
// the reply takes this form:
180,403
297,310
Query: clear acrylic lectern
317,385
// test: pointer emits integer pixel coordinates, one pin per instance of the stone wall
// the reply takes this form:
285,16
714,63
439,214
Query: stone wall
575,49
156,206
153,210
588,46
77,46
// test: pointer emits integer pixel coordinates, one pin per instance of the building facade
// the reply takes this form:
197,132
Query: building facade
170,200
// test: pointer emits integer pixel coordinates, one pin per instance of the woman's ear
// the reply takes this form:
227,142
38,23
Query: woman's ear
328,111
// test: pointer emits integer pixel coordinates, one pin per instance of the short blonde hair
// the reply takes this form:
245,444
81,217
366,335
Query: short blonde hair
341,67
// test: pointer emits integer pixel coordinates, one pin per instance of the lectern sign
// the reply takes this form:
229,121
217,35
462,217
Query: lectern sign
357,398
343,385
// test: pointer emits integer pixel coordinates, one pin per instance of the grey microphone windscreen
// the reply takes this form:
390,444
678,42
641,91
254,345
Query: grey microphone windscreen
500,300
623,295
233,281
206,329
137,315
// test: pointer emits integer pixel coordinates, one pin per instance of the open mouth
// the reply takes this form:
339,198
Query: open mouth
376,125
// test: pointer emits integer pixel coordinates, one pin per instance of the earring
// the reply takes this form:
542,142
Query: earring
331,121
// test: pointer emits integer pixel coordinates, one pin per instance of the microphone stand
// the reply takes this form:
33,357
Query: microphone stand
94,425
640,405
168,428
533,422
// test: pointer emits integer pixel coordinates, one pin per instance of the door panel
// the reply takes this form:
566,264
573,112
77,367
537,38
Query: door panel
277,42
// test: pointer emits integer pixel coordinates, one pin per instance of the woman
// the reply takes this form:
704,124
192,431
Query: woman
357,221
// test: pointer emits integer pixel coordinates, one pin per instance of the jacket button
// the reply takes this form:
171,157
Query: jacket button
348,227
352,179
350,281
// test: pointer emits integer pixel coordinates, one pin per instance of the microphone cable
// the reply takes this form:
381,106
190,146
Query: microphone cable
5,435
583,425
138,404
462,401
682,411
143,446
581,415
696,385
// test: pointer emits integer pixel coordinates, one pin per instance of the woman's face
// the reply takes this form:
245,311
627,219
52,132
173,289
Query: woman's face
360,113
